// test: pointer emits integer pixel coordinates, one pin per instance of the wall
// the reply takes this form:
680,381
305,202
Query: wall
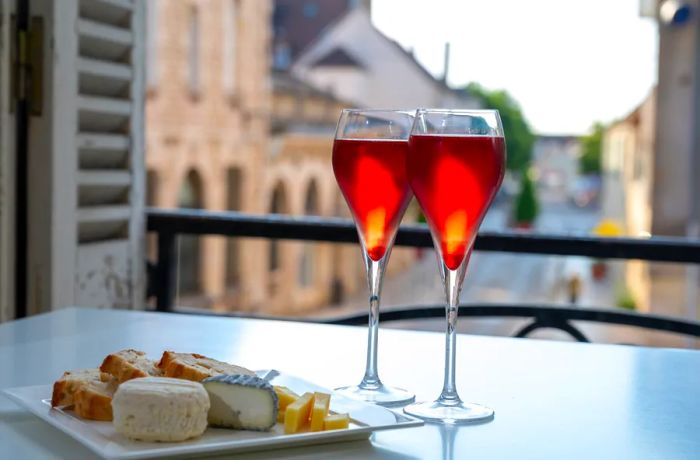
278,136
674,124
214,130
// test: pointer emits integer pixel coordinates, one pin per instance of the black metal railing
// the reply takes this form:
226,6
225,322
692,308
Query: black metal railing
541,317
168,224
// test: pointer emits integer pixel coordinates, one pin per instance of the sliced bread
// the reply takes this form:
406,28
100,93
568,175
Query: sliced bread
192,366
64,389
94,401
129,364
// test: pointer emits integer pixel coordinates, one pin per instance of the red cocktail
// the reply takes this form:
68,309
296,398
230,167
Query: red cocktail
455,165
369,162
455,179
372,176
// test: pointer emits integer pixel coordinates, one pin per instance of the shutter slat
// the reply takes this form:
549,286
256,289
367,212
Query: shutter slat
123,4
103,141
104,213
95,30
104,69
103,151
108,178
104,105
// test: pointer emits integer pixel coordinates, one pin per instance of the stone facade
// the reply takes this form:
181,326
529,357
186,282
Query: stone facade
263,146
631,157
628,156
202,136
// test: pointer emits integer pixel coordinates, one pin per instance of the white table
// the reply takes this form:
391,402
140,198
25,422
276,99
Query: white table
552,399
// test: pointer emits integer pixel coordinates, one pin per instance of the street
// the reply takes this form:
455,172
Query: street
495,277
501,277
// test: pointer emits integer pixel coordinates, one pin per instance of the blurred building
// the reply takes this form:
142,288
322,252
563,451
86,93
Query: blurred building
358,63
297,23
652,162
556,162
305,276
628,173
628,168
224,132
207,123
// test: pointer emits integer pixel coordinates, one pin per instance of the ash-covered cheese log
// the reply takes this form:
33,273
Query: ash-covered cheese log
242,402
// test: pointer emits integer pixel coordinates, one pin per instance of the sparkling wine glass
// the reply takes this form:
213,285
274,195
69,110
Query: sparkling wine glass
455,166
369,162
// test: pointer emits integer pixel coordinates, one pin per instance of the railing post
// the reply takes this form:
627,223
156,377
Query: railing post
165,271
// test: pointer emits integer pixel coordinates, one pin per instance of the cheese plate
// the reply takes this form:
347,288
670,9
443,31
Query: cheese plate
101,437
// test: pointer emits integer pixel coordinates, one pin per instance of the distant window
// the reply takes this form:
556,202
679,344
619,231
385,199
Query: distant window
189,265
233,203
311,202
277,206
151,43
307,262
306,267
230,19
193,44
613,159
310,9
151,188
638,166
190,196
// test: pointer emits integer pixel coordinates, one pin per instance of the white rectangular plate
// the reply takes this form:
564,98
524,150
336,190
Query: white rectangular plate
101,438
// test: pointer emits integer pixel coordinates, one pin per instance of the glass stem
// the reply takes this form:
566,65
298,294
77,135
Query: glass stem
375,272
453,285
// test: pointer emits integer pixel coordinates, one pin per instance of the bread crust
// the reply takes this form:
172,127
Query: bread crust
129,364
196,367
64,388
94,401
90,391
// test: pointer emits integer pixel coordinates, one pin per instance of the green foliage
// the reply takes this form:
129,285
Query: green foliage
592,150
625,299
526,205
519,137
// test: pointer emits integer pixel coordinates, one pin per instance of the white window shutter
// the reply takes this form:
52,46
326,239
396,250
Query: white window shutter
86,241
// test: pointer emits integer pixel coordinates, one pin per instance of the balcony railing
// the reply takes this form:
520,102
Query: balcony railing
168,224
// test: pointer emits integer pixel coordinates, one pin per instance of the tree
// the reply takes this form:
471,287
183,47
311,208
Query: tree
591,150
519,136
526,206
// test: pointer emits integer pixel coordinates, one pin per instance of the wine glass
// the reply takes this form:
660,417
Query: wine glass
369,162
455,166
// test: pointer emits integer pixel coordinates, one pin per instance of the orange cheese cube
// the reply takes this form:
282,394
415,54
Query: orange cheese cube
319,410
280,416
336,422
297,413
285,397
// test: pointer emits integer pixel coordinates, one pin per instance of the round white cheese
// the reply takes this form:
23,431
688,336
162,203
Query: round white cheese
160,409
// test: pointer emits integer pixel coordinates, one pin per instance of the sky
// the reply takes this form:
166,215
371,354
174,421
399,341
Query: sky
568,63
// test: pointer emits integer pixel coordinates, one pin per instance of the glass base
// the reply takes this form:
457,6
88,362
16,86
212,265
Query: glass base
382,395
450,414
